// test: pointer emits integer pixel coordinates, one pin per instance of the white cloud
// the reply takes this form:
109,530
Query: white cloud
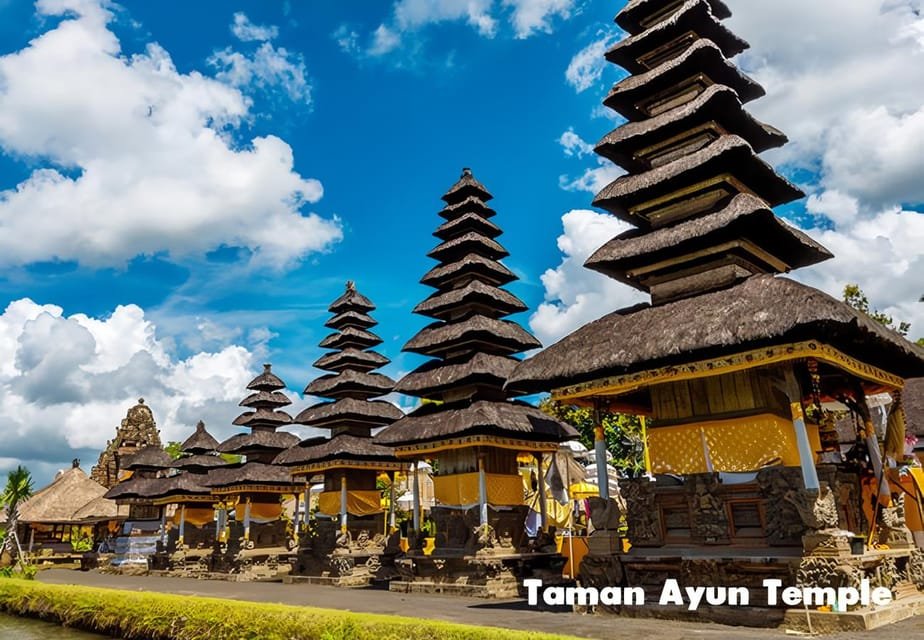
136,158
266,68
413,14
246,31
532,16
587,65
574,145
593,179
384,40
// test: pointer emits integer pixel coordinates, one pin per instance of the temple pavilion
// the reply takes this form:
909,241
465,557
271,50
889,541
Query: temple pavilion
466,426
349,539
737,371
255,489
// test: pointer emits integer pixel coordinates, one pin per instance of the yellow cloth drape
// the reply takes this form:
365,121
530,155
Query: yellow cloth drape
734,445
557,515
260,512
359,503
196,516
462,489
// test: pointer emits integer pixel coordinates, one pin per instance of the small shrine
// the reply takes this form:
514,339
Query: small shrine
466,427
347,544
137,430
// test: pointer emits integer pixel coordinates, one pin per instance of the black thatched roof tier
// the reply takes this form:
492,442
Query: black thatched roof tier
692,20
465,187
465,223
132,488
472,266
746,218
250,473
351,300
372,413
489,300
639,15
471,242
350,337
714,110
201,441
263,418
434,378
913,403
342,446
441,422
703,58
149,458
265,399
179,485
351,319
199,462
762,311
258,440
350,384
727,155
266,381
477,333
351,358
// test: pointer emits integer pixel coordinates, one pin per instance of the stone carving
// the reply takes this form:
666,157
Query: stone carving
605,514
709,519
893,530
643,517
137,430
915,568
816,510
784,525
824,571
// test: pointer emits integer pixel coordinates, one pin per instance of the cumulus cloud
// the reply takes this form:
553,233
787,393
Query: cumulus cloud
67,381
593,179
246,31
586,67
265,69
532,16
133,157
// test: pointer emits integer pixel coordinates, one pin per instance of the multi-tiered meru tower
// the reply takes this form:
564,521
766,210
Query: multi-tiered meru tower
467,427
348,542
736,369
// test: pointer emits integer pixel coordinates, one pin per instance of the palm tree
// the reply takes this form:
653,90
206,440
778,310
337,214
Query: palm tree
18,489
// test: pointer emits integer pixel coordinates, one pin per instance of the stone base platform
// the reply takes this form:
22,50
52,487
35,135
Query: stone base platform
354,582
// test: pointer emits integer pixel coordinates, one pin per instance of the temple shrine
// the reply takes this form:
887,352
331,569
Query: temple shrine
738,372
346,543
466,427
137,430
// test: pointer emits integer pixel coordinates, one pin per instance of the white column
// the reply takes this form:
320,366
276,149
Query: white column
343,503
295,519
391,504
482,491
182,533
163,525
247,520
543,507
603,476
415,490
307,504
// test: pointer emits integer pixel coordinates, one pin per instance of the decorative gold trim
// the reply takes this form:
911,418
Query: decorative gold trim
241,489
181,499
618,385
416,450
332,465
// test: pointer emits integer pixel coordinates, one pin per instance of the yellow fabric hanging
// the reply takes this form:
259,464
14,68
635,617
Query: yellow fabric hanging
196,516
461,489
260,512
557,514
359,503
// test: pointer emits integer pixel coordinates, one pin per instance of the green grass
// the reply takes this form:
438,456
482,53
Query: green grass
155,616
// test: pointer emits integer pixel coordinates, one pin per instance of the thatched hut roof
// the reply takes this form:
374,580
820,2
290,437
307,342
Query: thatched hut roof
479,293
351,358
265,399
434,422
350,383
133,488
703,57
913,403
351,300
762,311
181,484
467,222
350,337
467,267
201,441
436,376
637,11
693,19
263,418
71,497
266,381
466,186
259,439
471,242
467,205
249,473
728,154
149,458
199,462
343,446
498,336
351,319
349,410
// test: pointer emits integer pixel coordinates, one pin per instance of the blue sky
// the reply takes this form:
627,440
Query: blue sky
366,112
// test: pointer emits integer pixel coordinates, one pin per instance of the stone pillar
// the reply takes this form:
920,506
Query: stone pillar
603,476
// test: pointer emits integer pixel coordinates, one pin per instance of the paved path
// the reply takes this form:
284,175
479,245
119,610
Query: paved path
511,614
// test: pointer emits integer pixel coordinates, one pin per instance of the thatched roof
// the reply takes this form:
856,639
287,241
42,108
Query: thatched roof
468,266
467,222
343,446
490,334
350,337
149,458
181,484
762,311
470,204
351,300
350,383
258,440
694,18
265,399
436,376
262,418
351,358
71,497
717,104
250,473
466,186
198,463
434,422
729,154
201,441
134,488
746,217
351,319
266,381
350,410
471,242
490,298
913,403
637,11
702,57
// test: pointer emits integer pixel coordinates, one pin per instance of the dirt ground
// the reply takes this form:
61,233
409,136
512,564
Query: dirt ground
511,614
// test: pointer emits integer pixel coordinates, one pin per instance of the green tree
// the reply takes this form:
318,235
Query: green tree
854,296
174,449
622,433
18,489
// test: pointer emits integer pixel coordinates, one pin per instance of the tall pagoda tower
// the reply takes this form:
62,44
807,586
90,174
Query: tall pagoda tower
735,368
349,461
256,487
466,425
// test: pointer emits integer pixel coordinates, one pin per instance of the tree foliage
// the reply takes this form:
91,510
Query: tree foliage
854,296
174,449
18,489
622,433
